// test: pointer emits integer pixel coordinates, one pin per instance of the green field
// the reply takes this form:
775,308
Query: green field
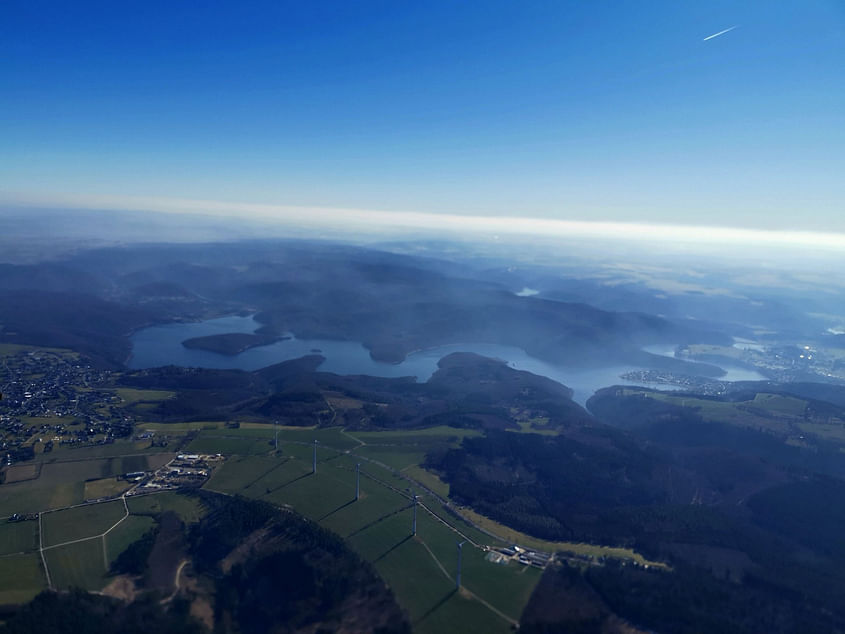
418,581
37,421
258,439
18,537
415,435
118,448
7,349
332,436
171,428
188,508
62,483
131,396
786,405
832,431
228,442
26,497
21,578
82,563
128,531
427,479
78,523
79,565
404,450
90,469
21,472
105,488
760,413
420,569
398,458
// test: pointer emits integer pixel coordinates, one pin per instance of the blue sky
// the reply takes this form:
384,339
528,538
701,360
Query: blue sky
612,111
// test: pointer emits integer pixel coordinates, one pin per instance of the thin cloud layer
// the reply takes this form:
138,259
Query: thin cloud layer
386,222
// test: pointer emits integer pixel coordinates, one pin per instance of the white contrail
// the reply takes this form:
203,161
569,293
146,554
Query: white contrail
710,37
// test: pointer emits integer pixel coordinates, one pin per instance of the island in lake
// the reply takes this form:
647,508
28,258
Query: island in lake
231,343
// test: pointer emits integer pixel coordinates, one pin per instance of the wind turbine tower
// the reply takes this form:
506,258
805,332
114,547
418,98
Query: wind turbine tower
460,556
357,481
414,528
314,460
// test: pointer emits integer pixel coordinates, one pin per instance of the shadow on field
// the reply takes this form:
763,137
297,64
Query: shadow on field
391,549
332,512
435,607
288,483
330,458
377,520
265,473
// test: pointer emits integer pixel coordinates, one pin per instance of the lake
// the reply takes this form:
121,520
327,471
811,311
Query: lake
162,345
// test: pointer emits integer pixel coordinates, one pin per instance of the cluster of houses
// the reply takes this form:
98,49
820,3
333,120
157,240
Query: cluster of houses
53,385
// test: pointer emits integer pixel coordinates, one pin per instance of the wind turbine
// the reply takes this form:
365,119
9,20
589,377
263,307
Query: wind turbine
357,481
460,557
314,460
414,528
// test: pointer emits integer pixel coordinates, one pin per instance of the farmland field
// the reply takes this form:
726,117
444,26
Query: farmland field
169,428
7,349
332,436
831,431
21,578
257,439
63,483
755,414
77,565
228,443
18,537
73,471
131,396
398,458
22,472
128,531
116,449
420,569
26,497
80,522
188,508
428,479
786,405
415,435
82,563
105,487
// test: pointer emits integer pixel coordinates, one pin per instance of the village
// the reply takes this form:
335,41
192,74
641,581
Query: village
52,397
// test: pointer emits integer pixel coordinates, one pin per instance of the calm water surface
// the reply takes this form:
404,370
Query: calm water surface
162,345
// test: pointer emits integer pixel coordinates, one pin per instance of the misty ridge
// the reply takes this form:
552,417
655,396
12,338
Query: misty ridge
438,291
